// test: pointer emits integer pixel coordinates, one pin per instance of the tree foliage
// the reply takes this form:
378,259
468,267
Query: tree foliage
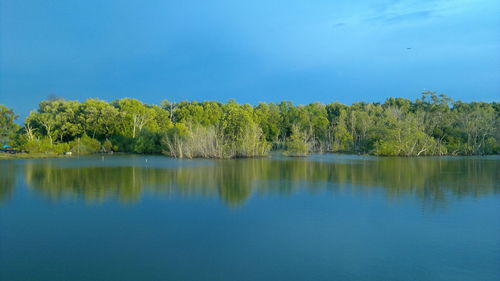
7,124
431,125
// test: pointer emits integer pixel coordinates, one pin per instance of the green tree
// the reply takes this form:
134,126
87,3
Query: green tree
405,135
313,119
100,119
268,117
479,123
430,125
134,116
7,124
342,138
299,143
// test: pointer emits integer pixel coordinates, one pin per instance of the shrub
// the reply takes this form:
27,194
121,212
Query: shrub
85,145
107,146
43,145
298,144
212,142
147,143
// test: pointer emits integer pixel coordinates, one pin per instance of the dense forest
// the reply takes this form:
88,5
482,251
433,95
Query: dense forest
431,125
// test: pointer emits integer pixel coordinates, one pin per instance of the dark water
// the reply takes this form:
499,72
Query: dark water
327,217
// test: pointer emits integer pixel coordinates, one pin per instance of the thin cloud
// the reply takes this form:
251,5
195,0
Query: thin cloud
405,17
338,24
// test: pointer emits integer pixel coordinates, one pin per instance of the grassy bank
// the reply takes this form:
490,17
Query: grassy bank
6,156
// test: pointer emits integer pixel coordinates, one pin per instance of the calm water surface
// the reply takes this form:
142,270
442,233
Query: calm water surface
325,217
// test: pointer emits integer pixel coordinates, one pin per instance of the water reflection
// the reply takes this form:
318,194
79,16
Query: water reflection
8,180
433,180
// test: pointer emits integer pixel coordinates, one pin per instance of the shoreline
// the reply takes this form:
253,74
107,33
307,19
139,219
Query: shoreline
13,156
9,156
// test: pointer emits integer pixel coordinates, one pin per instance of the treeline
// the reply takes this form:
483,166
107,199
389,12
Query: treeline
431,125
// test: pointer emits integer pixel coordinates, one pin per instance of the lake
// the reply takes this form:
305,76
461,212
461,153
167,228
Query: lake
324,217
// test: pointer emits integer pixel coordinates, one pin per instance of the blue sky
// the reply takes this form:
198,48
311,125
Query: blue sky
303,51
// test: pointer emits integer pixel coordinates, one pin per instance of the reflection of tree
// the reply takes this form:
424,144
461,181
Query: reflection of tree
92,184
234,181
8,180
